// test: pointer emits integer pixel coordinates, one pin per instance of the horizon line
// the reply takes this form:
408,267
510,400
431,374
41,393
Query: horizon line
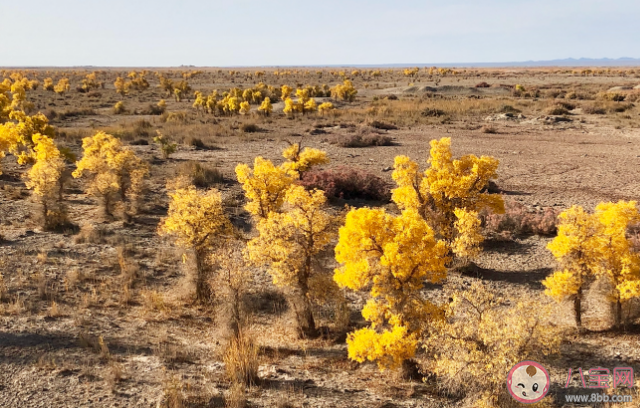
565,63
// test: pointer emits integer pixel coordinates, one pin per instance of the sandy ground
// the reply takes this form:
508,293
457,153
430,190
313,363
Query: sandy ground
52,359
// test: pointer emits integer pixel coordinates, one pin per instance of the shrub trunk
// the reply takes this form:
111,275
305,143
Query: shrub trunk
203,290
304,316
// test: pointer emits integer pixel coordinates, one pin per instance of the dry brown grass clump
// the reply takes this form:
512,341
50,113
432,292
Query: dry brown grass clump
57,220
154,301
557,110
241,360
201,175
119,108
250,128
236,397
96,344
92,234
3,286
364,140
594,109
489,129
377,124
435,109
115,374
475,318
173,394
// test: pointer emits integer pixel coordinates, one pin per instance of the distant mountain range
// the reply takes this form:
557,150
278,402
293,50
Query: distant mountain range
568,62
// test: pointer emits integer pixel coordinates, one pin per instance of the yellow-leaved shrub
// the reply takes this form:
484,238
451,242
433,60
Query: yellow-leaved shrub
391,257
265,186
62,86
45,175
293,227
198,223
16,135
345,91
116,172
325,108
300,160
481,337
449,194
595,245
288,243
266,108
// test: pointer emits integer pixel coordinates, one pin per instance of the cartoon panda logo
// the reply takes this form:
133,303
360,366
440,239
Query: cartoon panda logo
528,382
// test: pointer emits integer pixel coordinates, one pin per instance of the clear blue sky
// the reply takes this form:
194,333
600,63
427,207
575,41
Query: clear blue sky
316,32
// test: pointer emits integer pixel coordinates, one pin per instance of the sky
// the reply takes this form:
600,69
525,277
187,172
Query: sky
135,33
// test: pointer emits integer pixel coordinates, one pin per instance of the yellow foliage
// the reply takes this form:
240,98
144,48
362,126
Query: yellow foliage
16,138
19,96
577,248
119,108
198,222
287,245
290,106
138,81
562,284
289,239
345,91
90,82
244,108
325,107
620,263
293,227
62,87
9,139
301,160
446,186
266,108
482,337
116,170
233,104
595,246
196,219
27,126
48,84
166,84
45,174
285,92
310,105
166,146
302,95
200,102
469,234
122,86
247,95
411,71
389,348
265,186
393,256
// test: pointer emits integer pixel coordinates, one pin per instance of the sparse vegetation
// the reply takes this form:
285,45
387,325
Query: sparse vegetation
200,174
166,146
199,288
483,336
